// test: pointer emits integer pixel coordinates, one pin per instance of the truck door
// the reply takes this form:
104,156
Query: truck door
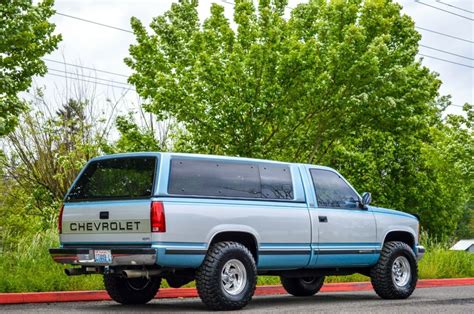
346,232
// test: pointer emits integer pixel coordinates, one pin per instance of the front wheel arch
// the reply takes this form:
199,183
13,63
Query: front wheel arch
400,236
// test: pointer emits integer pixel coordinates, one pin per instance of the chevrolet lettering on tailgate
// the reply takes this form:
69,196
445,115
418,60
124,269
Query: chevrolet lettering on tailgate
142,226
140,218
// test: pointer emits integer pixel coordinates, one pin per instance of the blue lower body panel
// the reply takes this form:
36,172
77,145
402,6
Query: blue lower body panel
181,255
277,255
352,254
347,260
285,261
283,255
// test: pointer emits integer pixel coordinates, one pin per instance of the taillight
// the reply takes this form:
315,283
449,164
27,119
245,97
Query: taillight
157,217
60,220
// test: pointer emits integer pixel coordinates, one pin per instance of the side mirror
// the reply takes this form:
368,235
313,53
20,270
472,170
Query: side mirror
366,198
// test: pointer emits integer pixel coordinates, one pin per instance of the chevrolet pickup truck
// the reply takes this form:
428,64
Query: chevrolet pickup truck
141,218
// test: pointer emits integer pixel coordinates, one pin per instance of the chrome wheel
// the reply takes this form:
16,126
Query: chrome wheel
233,277
401,271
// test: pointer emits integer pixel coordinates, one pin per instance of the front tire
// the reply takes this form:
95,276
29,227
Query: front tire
131,291
227,278
396,273
302,287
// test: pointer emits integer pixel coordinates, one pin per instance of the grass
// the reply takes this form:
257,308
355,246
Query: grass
30,268
441,263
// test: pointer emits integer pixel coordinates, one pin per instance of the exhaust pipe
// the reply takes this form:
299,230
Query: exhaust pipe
81,271
136,273
74,271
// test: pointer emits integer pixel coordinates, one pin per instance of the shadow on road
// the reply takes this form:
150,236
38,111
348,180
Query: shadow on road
434,300
258,303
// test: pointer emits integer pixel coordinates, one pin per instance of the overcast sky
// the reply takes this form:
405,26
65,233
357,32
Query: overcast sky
104,48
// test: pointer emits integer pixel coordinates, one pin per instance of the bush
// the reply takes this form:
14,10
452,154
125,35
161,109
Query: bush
442,263
30,268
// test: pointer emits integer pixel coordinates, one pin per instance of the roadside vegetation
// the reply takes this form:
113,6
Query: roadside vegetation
336,83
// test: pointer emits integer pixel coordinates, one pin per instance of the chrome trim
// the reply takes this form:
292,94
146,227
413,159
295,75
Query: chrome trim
420,251
122,256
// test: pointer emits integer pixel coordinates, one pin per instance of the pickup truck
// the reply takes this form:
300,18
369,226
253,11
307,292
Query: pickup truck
140,218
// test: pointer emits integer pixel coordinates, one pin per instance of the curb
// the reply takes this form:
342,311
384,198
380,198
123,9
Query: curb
167,293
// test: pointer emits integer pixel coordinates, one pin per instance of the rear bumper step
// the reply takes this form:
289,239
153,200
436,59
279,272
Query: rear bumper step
120,256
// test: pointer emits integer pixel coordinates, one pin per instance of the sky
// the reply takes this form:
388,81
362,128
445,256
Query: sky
104,48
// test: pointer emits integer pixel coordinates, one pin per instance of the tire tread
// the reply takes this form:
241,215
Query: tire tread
380,274
208,286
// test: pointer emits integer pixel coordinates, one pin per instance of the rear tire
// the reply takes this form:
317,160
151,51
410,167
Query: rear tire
227,278
396,273
302,287
131,291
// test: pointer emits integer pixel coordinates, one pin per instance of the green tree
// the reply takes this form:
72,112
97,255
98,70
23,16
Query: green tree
282,88
147,137
46,151
450,168
26,36
431,175
337,82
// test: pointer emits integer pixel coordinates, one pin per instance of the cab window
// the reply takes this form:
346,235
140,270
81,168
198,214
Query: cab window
230,179
332,191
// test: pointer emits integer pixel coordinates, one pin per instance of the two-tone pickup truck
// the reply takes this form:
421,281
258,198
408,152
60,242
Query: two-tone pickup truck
221,221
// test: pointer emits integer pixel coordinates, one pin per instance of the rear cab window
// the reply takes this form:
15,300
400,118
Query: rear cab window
230,179
115,179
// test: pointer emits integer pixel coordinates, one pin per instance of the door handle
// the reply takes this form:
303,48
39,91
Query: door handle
323,218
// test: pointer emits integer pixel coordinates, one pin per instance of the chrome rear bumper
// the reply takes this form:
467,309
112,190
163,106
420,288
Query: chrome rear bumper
120,256
420,251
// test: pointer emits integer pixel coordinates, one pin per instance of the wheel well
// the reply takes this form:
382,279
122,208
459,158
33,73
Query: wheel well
247,239
402,236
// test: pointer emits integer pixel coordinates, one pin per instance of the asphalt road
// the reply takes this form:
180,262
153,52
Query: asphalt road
427,300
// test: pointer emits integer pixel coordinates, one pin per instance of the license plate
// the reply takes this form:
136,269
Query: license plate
103,256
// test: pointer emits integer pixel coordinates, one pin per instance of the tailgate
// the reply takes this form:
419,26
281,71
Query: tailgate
109,203
106,222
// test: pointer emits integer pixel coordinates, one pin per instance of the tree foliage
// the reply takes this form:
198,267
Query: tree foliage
337,82
432,176
45,153
54,139
26,36
289,89
138,138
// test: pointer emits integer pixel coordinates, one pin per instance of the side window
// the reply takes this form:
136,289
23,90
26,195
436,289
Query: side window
218,178
332,191
276,181
214,178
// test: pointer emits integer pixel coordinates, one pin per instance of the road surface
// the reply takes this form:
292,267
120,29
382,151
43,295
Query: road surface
427,300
